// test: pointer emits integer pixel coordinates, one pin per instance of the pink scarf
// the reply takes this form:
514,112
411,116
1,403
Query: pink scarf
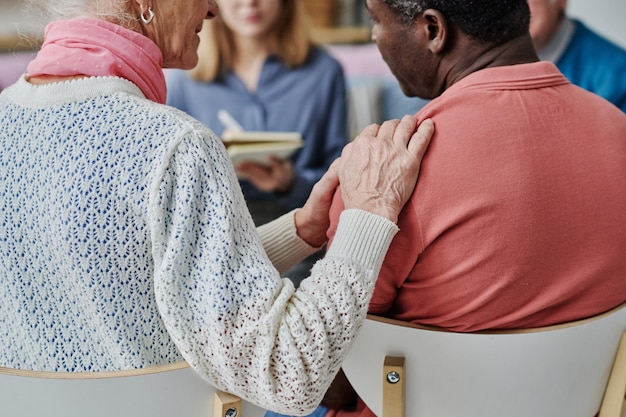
93,47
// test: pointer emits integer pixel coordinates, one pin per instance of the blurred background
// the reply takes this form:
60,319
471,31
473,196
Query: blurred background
340,25
338,21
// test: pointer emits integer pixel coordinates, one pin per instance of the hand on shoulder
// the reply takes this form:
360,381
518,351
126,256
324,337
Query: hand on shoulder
379,169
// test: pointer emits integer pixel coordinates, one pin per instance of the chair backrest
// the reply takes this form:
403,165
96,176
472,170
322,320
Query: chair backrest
163,391
556,371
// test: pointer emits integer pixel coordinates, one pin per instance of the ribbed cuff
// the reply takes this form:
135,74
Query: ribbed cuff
363,237
282,244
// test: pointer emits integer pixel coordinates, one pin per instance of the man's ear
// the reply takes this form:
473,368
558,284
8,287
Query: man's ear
435,27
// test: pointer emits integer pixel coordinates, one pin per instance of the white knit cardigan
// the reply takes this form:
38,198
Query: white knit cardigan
125,242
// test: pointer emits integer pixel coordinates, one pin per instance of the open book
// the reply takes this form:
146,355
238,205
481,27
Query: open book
258,146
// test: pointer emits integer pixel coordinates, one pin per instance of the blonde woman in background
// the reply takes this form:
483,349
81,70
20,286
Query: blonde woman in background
257,62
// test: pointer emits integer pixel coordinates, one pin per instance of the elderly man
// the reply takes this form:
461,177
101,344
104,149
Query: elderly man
518,219
584,57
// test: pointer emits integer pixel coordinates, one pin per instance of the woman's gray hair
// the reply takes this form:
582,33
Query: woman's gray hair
116,11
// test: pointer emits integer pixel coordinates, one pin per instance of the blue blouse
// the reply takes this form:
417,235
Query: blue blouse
310,99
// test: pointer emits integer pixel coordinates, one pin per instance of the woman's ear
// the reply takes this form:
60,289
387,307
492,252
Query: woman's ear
435,27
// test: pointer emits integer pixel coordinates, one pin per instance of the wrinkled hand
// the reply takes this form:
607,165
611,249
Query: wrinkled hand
312,219
379,169
278,176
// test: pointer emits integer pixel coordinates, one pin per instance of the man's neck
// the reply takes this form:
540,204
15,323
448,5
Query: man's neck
473,57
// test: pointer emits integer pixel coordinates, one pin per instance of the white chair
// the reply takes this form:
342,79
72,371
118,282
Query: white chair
162,391
401,369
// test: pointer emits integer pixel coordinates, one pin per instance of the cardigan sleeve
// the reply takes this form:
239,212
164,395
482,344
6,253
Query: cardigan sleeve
234,320
282,244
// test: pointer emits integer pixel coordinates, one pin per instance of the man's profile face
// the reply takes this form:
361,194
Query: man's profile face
403,47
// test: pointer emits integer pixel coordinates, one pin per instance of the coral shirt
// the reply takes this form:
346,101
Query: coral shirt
518,217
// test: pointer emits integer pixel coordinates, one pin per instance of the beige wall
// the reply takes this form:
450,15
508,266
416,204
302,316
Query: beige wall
607,17
13,19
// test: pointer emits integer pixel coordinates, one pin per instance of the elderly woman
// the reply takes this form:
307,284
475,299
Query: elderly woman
125,238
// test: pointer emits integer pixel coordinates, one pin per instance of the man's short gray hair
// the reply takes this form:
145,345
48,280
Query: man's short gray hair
407,10
487,21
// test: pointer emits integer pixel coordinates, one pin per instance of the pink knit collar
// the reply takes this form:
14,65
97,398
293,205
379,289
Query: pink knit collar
94,47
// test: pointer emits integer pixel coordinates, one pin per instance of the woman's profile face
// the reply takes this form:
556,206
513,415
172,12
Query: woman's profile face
251,18
175,29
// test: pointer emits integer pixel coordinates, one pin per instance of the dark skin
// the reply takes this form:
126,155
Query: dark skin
430,55
427,57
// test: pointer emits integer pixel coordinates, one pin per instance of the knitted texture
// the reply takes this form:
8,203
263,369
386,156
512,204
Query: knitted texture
125,242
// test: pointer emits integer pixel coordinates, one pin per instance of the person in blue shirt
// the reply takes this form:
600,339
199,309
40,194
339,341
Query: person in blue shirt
583,56
257,62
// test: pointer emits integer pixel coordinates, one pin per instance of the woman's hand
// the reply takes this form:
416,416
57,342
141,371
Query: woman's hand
278,176
312,221
377,171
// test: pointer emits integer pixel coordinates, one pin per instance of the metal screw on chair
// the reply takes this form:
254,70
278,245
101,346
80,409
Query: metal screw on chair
393,377
231,412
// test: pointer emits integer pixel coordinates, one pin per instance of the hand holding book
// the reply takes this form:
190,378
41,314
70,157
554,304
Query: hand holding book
257,146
